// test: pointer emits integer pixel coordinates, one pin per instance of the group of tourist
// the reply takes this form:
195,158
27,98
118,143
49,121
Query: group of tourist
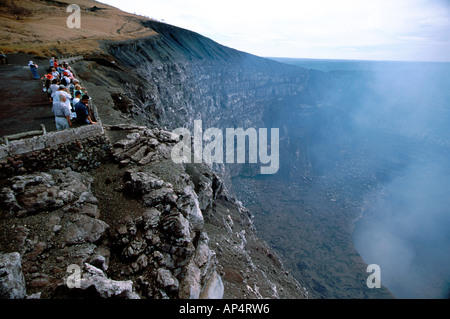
70,101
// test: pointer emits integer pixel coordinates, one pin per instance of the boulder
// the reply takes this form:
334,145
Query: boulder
90,210
40,192
83,229
213,288
166,280
176,226
202,254
188,204
100,258
20,182
142,183
12,281
190,287
160,196
151,218
8,200
105,287
38,198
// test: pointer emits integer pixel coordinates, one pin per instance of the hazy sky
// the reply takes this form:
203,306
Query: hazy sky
341,29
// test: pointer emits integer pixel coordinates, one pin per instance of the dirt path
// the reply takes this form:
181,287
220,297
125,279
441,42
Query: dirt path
23,104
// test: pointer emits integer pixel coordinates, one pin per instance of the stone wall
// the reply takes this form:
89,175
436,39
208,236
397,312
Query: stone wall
80,148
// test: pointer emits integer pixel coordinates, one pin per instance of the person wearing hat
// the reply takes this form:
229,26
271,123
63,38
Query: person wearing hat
47,78
65,79
81,108
33,67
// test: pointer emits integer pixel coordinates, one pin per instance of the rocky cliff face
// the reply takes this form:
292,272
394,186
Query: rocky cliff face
186,77
189,77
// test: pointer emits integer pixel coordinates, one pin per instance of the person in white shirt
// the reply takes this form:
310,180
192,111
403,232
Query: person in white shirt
56,97
66,78
62,114
53,88
76,99
55,73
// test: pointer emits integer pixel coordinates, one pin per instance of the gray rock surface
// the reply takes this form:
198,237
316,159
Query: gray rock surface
105,287
12,282
83,229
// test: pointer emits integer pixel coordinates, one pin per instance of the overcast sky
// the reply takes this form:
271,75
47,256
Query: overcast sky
410,30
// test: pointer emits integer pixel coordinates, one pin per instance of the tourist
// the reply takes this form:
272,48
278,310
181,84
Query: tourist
61,95
62,90
3,58
81,108
72,86
81,89
65,91
62,113
47,76
65,79
48,80
55,73
78,88
54,87
60,70
34,71
71,75
76,99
